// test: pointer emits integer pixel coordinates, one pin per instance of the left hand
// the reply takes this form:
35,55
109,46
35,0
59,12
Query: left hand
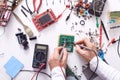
54,59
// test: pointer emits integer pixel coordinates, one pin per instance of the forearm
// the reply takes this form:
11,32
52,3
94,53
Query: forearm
104,71
57,74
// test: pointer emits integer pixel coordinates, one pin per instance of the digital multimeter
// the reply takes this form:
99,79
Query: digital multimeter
96,7
40,55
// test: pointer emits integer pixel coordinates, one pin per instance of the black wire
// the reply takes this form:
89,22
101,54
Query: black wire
36,71
42,73
70,12
96,65
118,47
28,7
68,15
37,76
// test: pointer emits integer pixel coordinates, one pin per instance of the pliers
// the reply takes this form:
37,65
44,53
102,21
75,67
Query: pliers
36,9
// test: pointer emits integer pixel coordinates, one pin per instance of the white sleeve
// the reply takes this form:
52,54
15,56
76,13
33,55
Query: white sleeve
104,71
57,74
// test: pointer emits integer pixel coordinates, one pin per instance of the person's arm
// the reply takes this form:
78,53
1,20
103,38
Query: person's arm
57,74
57,65
105,71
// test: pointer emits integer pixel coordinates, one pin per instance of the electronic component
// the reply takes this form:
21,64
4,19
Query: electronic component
6,7
68,40
96,7
33,38
82,22
40,55
44,19
71,75
22,39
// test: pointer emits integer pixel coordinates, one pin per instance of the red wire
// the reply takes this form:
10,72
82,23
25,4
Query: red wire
39,5
40,68
63,72
60,14
101,36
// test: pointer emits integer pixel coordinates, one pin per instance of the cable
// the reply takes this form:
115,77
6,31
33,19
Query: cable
60,14
40,68
63,72
36,71
118,47
28,7
96,57
96,65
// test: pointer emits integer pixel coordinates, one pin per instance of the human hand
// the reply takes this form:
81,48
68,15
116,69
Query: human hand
54,59
85,53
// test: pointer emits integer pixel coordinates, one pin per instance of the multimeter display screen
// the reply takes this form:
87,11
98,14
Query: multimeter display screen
41,47
44,19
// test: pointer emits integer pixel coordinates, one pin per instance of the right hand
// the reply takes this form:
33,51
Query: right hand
86,54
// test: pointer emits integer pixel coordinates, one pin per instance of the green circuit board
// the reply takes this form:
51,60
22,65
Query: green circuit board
69,40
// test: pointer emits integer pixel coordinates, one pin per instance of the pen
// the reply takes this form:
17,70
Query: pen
62,52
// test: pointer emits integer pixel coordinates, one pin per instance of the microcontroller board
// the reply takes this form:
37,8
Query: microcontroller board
68,40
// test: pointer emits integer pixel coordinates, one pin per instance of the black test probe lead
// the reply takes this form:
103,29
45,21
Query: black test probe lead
118,47
104,30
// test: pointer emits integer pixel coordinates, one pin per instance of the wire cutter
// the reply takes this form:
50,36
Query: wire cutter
101,55
36,9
